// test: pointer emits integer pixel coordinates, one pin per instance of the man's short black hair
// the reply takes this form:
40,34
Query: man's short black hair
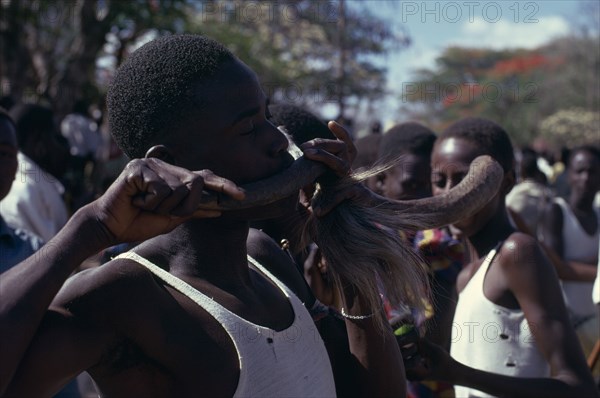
154,91
489,137
301,124
31,121
409,137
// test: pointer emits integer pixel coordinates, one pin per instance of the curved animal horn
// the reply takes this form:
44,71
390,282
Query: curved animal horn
361,243
282,185
475,190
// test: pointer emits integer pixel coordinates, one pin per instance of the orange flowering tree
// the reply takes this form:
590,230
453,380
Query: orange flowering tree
516,88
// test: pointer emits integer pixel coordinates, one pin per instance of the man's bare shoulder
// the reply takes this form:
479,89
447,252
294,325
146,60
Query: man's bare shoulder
270,255
260,245
156,334
521,254
114,286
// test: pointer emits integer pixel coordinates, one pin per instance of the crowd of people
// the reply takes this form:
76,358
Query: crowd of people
149,286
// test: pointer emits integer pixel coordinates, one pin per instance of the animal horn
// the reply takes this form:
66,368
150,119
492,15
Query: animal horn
282,185
475,190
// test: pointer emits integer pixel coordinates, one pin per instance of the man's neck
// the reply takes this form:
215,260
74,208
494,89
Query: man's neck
497,229
212,249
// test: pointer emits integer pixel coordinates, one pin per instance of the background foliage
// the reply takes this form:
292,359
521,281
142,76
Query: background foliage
521,89
307,52
311,53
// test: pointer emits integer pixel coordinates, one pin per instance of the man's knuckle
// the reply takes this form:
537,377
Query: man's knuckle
134,164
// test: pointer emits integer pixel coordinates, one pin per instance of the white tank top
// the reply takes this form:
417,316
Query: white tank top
492,338
289,363
578,245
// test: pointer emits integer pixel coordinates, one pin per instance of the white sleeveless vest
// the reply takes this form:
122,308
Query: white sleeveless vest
289,363
492,338
578,245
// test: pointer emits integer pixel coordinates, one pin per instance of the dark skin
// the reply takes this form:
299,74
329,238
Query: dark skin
410,178
583,176
519,277
134,335
8,155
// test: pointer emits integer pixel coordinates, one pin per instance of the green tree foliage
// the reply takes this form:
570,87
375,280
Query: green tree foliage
50,48
306,52
517,88
571,127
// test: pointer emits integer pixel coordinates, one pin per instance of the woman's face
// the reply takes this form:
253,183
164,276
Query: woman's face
450,163
584,174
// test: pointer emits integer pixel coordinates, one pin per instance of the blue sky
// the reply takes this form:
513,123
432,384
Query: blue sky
435,25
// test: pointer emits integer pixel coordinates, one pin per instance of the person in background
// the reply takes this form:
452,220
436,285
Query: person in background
375,128
35,201
15,244
407,147
511,331
367,156
531,196
81,131
571,229
84,140
594,357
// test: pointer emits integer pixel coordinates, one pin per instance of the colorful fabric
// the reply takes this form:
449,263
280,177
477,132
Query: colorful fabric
444,257
443,254
430,389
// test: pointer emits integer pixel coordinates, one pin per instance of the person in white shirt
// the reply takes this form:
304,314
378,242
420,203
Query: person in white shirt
531,195
35,202
81,131
572,228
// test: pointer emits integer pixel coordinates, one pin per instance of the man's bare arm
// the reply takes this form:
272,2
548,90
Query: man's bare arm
149,198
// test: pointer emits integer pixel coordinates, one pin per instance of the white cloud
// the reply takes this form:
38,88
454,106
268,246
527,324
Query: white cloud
508,34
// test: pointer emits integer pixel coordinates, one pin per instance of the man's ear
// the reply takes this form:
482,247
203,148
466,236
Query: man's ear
161,152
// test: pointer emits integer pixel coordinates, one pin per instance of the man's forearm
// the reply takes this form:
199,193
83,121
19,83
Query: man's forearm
27,289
